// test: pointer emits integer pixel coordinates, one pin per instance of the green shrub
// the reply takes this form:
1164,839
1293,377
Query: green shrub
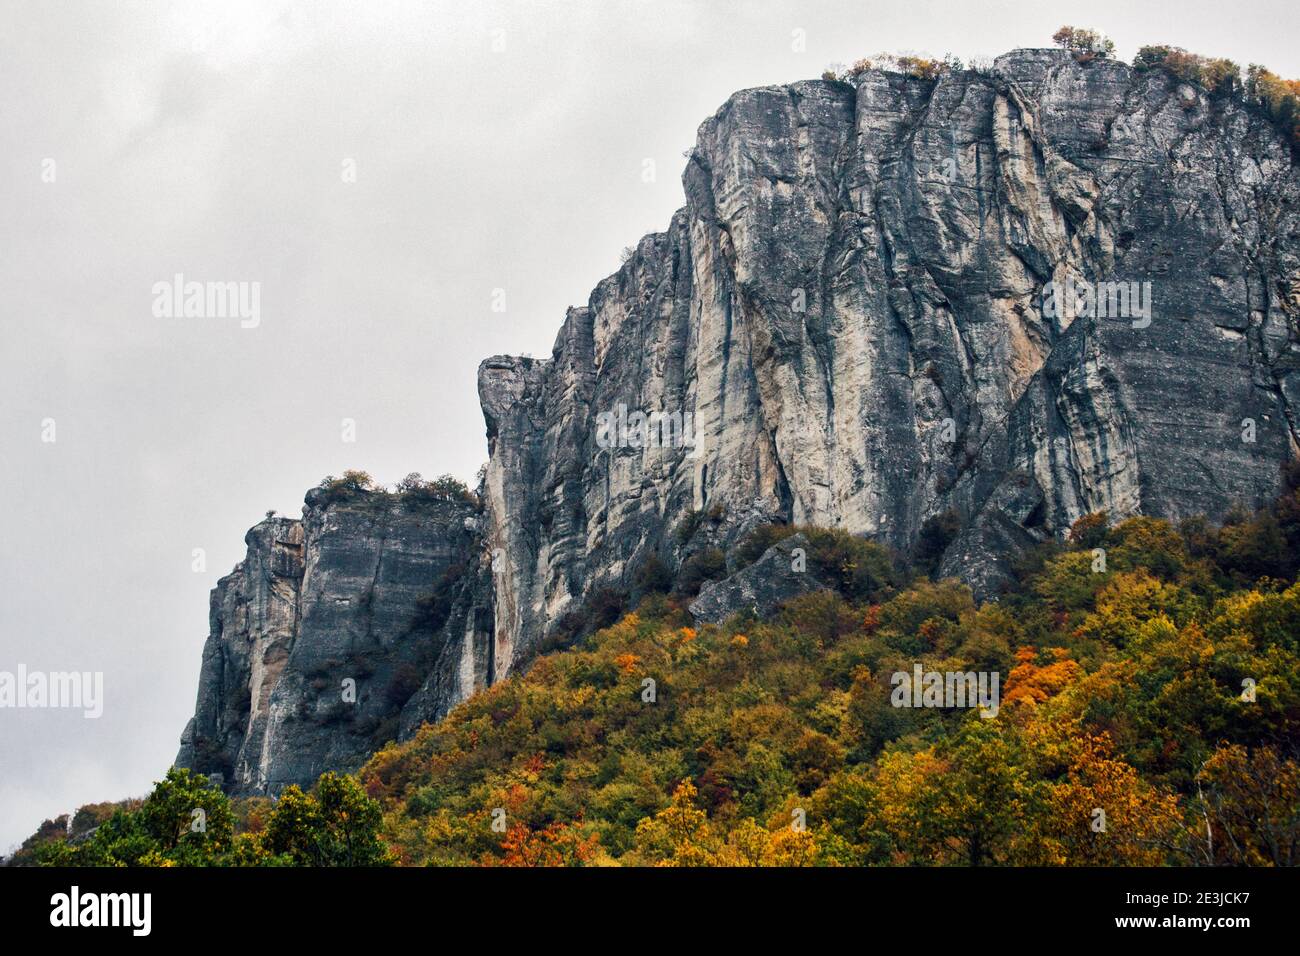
1084,44
688,526
1090,530
707,565
1279,98
185,821
652,577
1217,75
754,544
335,825
859,569
917,67
442,488
352,483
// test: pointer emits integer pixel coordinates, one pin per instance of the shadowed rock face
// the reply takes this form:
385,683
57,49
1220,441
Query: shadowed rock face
374,590
851,308
847,326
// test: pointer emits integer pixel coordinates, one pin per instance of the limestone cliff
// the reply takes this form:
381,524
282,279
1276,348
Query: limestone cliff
333,632
850,323
851,309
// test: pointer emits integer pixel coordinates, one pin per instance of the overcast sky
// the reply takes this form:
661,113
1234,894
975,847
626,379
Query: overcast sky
492,146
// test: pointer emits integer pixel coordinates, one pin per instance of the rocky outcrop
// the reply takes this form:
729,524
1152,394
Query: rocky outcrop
335,632
851,323
851,313
776,577
252,625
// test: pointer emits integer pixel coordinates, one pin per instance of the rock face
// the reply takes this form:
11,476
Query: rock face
760,588
851,323
851,312
333,632
252,624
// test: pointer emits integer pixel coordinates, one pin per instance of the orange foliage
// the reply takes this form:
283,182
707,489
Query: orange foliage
1034,682
556,845
627,663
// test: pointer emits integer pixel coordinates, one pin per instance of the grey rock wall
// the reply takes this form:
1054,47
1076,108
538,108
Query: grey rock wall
844,326
325,638
851,309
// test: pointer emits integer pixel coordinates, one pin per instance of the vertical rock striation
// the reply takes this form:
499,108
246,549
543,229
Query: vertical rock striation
851,309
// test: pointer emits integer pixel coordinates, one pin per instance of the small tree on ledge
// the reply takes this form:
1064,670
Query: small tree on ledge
1084,44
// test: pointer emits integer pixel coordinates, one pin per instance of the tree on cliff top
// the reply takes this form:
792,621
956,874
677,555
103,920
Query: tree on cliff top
1084,44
